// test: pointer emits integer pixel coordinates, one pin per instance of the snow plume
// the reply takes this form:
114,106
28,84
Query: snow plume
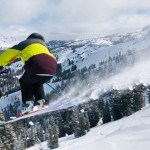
139,73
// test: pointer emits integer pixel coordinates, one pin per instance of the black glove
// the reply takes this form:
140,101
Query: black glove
1,68
4,71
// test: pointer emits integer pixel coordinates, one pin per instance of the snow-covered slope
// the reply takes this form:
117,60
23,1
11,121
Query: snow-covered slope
130,133
6,42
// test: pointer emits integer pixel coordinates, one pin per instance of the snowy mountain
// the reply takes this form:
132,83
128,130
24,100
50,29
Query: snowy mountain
6,42
89,51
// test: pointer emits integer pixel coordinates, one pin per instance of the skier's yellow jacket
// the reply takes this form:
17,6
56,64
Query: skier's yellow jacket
33,53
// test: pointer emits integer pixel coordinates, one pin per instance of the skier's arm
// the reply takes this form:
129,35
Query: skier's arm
8,56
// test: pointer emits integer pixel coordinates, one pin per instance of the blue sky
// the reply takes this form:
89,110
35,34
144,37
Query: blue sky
72,19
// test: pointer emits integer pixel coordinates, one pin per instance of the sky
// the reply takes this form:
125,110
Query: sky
72,19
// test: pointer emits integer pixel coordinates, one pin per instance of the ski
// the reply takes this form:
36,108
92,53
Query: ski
31,112
63,104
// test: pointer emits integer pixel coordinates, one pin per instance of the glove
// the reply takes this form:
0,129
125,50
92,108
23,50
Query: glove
1,68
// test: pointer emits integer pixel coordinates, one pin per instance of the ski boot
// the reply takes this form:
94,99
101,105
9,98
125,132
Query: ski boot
39,105
27,108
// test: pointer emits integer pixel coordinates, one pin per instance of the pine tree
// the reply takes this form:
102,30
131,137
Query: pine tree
87,123
2,145
21,137
59,70
148,93
126,102
115,104
7,136
94,115
33,138
53,133
101,105
137,99
60,123
106,113
78,123
67,126
40,134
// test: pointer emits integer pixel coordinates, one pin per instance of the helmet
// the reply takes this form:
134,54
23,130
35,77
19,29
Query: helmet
36,36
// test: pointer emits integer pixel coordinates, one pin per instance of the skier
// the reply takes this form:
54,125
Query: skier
39,65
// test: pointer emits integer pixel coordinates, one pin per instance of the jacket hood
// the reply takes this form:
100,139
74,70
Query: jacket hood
36,36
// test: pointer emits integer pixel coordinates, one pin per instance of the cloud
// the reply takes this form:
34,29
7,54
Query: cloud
16,12
71,19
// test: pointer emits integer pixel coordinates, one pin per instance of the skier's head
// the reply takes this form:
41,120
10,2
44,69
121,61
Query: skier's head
36,36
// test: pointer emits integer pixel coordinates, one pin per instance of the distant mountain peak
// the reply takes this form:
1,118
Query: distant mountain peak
6,42
146,28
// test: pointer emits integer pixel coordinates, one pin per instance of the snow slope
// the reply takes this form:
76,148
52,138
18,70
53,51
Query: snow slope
130,133
6,42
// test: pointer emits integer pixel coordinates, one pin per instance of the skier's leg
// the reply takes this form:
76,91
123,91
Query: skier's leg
38,91
26,90
38,88
27,95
